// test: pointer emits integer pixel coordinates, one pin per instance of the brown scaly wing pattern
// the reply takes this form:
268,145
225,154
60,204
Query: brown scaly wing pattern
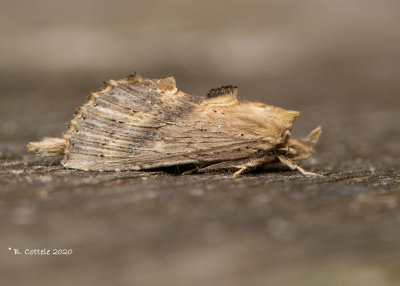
138,123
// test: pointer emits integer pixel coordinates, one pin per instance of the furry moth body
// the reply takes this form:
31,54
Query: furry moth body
140,124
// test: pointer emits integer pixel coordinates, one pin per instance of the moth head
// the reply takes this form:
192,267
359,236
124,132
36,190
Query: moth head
301,149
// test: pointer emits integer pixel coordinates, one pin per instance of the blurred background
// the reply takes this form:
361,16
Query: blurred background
337,62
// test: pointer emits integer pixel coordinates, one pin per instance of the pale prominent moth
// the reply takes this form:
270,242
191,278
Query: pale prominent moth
144,124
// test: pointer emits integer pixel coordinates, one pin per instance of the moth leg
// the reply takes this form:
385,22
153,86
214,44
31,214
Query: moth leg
293,166
241,170
219,166
194,170
244,165
252,164
247,167
236,164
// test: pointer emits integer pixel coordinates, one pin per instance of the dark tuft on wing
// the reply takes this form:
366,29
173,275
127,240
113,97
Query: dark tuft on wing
223,90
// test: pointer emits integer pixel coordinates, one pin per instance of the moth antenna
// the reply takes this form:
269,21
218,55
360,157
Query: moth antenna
313,137
223,90
49,146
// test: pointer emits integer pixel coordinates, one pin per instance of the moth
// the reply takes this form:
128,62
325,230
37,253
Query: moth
144,124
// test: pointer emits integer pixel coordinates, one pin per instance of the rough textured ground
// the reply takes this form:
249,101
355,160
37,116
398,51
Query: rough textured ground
162,229
338,64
